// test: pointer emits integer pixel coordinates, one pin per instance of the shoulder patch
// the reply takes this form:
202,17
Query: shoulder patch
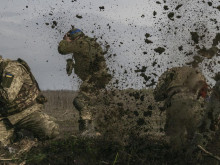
7,80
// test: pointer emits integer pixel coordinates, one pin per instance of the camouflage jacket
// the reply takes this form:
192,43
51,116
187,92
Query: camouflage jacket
18,91
87,53
181,80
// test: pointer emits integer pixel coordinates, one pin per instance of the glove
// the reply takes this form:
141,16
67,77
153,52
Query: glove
69,66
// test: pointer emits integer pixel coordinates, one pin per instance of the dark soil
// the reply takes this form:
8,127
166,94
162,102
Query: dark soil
171,15
195,37
216,39
159,50
83,151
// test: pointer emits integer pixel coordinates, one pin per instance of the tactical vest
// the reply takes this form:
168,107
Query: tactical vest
27,96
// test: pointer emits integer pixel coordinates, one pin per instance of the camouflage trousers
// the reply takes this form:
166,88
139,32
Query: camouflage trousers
84,103
183,116
40,124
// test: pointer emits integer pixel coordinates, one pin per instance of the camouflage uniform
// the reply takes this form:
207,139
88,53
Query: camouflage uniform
183,90
90,67
89,64
208,129
21,103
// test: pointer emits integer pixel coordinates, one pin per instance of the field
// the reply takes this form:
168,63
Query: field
132,135
60,106
70,148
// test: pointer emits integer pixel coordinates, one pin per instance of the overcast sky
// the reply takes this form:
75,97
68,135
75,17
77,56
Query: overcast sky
122,23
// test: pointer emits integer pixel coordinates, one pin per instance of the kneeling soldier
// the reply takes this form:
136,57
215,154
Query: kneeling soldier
21,103
183,89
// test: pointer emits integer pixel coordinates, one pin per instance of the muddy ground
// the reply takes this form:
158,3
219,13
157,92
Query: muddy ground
136,138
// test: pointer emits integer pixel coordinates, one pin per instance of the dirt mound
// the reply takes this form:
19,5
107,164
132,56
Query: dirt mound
120,113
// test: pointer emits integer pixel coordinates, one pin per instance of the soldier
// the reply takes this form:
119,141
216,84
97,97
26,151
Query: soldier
208,129
21,103
183,90
90,67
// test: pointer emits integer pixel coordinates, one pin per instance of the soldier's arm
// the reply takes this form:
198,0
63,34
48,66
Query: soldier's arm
67,47
11,83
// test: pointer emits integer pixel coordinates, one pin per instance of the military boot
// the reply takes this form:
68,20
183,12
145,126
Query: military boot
87,129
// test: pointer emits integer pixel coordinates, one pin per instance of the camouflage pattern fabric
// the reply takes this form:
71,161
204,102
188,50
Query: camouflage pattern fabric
84,104
179,79
32,119
212,114
19,108
81,103
6,133
40,124
182,118
89,66
17,90
184,90
89,59
209,125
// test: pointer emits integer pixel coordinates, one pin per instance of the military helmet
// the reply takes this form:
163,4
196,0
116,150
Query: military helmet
74,33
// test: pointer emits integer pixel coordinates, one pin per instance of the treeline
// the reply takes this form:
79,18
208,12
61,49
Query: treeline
59,99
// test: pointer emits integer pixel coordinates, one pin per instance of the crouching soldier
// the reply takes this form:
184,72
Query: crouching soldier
207,134
21,103
90,67
183,90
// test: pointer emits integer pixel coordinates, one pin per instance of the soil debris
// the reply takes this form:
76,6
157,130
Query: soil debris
146,78
143,69
179,6
55,23
147,35
171,15
208,53
195,37
216,40
180,48
157,2
210,3
217,77
101,8
159,50
148,41
166,7
79,16
196,61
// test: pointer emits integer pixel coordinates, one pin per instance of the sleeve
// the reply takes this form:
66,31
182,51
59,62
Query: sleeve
11,83
160,91
66,47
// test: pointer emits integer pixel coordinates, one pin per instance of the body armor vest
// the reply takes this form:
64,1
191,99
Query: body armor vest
26,97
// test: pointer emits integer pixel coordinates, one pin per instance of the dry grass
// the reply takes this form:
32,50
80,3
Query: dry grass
60,106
